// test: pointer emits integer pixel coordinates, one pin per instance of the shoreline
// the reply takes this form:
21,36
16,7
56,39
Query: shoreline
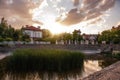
108,73
71,47
111,72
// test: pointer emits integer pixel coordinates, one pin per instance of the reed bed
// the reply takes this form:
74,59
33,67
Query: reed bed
45,60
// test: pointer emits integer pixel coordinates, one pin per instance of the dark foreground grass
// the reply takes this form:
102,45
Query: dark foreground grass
45,60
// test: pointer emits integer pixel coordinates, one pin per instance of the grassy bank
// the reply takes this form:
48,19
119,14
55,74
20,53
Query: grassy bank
36,60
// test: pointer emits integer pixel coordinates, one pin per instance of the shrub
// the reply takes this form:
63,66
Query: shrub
117,56
8,39
1,39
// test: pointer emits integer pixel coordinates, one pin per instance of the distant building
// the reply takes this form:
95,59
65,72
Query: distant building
90,38
33,32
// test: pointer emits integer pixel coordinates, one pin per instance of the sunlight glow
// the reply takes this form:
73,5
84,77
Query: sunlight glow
53,26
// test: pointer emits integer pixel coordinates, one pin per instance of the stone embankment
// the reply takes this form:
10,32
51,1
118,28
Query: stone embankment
68,47
52,46
109,73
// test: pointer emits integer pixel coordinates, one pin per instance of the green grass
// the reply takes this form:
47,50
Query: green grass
50,60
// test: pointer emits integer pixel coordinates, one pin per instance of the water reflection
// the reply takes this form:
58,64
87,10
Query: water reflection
45,76
89,67
4,54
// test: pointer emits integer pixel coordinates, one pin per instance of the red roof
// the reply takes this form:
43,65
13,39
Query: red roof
32,28
88,36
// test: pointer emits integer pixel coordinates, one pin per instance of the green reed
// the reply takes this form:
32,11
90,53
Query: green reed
45,60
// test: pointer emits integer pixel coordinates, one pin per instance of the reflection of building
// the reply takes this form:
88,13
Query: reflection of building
33,32
90,38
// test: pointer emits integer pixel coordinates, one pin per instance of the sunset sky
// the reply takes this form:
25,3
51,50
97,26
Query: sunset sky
90,16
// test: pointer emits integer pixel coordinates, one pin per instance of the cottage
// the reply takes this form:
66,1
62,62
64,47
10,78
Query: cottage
90,38
33,32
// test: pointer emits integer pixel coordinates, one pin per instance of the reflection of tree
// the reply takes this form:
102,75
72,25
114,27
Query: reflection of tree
3,68
75,73
66,65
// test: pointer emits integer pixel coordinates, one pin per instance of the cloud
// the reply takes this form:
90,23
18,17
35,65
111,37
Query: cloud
18,12
90,10
52,8
118,23
73,15
76,2
66,12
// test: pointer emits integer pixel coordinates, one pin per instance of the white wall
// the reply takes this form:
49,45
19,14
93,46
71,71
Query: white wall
36,34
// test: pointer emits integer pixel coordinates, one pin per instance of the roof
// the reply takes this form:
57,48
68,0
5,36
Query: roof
90,36
32,28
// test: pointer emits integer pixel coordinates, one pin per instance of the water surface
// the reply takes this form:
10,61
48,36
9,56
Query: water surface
89,67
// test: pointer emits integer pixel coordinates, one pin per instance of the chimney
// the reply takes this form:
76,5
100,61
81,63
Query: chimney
27,25
39,27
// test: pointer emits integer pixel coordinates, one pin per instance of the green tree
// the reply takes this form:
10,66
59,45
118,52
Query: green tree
1,39
105,36
25,37
110,36
77,35
65,36
16,35
8,33
3,28
46,33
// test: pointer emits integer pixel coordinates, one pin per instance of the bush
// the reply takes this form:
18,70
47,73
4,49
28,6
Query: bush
1,39
8,39
35,60
116,40
117,56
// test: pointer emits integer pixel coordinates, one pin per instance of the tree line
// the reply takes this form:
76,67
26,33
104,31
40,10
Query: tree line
110,36
8,33
66,37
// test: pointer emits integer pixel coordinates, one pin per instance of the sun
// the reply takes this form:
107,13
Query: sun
49,22
53,26
56,28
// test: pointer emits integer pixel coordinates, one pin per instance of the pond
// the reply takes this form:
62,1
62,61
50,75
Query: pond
89,66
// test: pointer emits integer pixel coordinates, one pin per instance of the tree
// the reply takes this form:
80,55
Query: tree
77,35
1,39
25,37
110,36
105,36
46,33
8,33
3,27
